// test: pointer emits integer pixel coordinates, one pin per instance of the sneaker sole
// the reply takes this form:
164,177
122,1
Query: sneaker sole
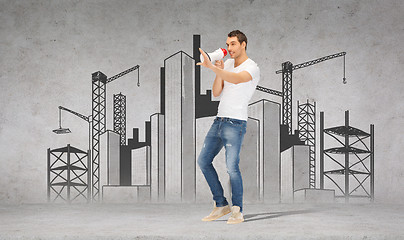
235,222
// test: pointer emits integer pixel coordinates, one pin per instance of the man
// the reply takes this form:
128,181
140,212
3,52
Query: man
235,81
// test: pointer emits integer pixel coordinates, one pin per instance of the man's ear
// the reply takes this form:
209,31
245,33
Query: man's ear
243,44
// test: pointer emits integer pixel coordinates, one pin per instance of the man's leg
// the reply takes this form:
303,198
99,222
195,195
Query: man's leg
233,135
211,147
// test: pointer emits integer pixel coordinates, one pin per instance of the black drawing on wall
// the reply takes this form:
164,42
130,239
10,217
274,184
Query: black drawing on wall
68,174
306,121
163,167
120,116
99,84
97,123
352,171
287,138
61,130
66,167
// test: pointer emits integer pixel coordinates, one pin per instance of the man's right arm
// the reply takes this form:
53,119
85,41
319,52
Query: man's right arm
218,84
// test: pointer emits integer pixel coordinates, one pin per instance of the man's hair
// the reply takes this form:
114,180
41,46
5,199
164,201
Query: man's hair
241,37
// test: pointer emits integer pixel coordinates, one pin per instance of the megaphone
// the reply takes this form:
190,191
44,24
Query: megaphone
216,55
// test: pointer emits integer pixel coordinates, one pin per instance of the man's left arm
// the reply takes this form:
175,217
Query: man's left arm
232,77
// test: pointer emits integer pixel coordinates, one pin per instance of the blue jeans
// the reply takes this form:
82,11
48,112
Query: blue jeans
229,133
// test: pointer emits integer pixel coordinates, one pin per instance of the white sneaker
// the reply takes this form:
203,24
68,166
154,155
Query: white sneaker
236,216
217,212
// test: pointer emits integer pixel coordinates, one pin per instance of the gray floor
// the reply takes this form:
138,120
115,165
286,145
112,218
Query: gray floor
182,221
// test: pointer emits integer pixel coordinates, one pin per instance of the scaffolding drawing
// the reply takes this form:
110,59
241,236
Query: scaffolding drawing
120,116
351,163
68,175
306,113
99,126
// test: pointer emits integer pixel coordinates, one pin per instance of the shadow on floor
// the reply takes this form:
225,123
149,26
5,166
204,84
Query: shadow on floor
262,216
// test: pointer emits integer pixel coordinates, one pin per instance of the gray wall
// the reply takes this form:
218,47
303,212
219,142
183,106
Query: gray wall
50,48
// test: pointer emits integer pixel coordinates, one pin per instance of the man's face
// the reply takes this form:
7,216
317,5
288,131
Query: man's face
234,47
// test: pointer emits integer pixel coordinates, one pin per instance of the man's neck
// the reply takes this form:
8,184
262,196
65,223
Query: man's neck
240,59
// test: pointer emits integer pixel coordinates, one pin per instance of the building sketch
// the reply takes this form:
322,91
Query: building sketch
180,129
110,158
294,171
268,115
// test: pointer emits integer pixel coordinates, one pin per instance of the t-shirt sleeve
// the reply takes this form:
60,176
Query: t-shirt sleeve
254,71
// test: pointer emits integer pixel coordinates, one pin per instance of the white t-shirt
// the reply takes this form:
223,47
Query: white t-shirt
235,97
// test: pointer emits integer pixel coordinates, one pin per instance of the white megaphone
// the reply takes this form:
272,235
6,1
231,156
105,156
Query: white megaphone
216,55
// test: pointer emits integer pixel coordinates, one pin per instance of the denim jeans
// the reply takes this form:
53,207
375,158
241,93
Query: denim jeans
227,133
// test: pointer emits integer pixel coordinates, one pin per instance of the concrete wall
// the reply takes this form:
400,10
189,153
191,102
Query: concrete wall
50,48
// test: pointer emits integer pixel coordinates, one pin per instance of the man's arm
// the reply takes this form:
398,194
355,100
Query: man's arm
217,86
231,77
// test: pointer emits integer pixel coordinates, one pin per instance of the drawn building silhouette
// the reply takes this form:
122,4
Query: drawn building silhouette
268,178
179,127
110,158
157,165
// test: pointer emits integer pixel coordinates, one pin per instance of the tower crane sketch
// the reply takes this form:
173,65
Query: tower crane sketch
287,70
99,83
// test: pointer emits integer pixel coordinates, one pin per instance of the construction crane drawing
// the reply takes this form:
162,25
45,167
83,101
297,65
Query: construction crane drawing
287,70
286,94
99,82
270,91
97,122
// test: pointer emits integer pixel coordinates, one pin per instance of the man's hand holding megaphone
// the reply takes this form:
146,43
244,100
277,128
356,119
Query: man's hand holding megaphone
205,61
214,58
